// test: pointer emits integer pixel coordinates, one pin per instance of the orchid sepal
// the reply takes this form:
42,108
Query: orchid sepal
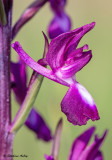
36,66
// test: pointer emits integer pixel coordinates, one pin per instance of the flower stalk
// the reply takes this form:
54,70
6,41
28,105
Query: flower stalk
6,139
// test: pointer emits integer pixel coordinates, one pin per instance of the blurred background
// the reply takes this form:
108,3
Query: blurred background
96,76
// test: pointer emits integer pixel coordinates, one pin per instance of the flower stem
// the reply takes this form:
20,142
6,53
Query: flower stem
6,138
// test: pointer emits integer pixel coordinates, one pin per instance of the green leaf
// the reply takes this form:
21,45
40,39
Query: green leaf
2,13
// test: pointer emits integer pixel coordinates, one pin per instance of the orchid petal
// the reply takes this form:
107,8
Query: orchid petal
63,43
76,54
80,143
73,43
92,150
69,70
60,24
78,105
37,124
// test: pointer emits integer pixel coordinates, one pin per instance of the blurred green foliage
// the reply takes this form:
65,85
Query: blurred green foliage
96,76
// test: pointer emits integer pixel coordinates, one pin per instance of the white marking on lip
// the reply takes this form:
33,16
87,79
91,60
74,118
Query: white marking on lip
85,94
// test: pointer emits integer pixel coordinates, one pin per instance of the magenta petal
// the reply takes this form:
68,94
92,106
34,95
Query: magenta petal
80,143
60,24
73,43
92,150
61,45
76,54
70,69
78,105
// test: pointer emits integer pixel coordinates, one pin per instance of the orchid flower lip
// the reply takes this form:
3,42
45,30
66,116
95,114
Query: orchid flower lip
85,94
77,107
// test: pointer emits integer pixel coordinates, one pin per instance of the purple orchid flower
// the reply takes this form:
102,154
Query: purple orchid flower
34,122
61,22
79,149
65,60
19,77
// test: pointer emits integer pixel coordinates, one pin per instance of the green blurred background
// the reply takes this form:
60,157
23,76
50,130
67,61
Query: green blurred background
96,76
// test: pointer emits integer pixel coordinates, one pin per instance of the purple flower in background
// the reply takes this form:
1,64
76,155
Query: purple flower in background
80,150
34,121
65,60
49,157
19,77
61,22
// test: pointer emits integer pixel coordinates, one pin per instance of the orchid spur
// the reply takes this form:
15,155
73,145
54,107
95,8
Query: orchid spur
65,60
